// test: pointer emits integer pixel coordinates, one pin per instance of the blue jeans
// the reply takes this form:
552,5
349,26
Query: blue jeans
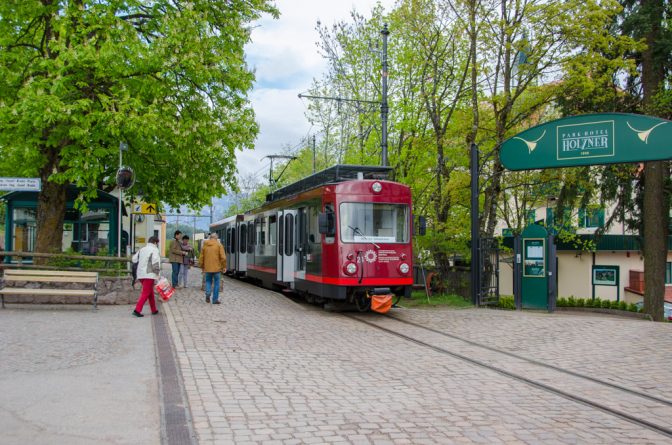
209,278
176,273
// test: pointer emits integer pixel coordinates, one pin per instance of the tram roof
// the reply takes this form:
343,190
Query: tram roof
331,175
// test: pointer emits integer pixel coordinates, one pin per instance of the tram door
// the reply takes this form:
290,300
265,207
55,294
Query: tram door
286,258
301,242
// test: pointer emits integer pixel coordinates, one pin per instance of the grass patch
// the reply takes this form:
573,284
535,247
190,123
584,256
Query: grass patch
419,299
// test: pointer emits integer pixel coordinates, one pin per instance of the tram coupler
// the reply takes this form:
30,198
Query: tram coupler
381,299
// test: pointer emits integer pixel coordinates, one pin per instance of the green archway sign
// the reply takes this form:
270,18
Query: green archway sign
589,139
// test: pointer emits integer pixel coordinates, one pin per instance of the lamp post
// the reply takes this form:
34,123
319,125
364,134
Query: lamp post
124,180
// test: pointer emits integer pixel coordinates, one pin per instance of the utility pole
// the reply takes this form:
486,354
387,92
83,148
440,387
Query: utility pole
313,153
383,106
384,109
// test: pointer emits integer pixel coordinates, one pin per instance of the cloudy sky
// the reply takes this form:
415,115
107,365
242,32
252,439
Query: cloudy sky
284,55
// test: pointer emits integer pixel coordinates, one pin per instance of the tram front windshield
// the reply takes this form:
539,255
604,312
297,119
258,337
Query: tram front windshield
372,222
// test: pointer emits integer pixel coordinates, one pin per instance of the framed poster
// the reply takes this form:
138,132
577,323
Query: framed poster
605,275
534,257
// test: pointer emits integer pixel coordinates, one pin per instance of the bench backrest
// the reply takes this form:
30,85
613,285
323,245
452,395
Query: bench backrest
55,276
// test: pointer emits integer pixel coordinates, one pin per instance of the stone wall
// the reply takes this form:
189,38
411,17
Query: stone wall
111,290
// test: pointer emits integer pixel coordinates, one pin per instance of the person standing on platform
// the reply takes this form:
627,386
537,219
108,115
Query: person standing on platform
187,261
176,256
212,262
149,266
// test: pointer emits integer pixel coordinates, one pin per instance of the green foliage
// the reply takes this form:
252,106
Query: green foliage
113,266
507,302
580,302
571,301
606,304
561,302
167,77
632,307
419,298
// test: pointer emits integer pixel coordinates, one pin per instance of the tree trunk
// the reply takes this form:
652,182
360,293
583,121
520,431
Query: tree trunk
655,238
655,214
51,203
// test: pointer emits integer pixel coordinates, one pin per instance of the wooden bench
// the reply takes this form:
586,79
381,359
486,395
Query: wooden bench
49,276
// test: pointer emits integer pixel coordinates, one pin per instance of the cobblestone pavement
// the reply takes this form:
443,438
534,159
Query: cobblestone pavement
260,368
629,352
72,376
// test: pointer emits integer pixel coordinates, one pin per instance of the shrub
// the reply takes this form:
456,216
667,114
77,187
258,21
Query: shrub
623,306
571,301
597,302
507,303
606,304
615,305
632,307
562,302
580,302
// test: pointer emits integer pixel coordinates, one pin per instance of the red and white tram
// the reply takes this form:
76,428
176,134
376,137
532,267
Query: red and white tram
340,235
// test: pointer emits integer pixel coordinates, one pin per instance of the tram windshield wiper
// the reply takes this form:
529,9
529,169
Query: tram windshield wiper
356,231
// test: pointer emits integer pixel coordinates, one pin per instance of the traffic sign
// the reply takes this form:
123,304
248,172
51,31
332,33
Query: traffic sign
21,184
145,209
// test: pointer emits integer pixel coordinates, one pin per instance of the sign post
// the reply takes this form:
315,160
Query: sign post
606,276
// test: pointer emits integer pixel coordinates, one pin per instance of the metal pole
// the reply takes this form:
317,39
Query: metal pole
313,153
475,234
119,209
383,106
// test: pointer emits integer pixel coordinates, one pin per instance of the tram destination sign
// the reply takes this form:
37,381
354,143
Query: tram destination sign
20,184
589,139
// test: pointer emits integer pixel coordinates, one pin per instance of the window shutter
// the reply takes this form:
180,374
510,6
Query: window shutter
582,217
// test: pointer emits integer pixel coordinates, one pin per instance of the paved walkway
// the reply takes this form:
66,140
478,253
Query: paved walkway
72,376
261,368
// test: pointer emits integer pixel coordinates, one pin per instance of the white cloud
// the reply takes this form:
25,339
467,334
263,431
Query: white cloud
285,57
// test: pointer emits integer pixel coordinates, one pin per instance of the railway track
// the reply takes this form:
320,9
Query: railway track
619,401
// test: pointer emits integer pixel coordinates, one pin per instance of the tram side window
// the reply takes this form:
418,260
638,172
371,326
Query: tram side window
272,222
289,234
262,233
243,238
250,237
257,232
313,229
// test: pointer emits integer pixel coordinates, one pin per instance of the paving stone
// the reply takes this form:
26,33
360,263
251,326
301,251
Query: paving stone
269,369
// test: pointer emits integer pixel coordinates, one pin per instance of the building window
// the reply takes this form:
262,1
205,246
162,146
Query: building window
531,216
591,218
668,273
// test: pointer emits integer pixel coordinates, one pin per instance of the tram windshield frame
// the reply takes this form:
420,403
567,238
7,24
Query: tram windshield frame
373,222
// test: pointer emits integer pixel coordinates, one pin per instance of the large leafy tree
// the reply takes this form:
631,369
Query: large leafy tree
167,77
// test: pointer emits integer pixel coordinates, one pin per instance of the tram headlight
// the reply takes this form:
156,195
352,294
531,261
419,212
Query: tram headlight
377,187
404,268
350,268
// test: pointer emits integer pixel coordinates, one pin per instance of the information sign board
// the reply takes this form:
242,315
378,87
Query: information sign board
20,184
534,263
605,275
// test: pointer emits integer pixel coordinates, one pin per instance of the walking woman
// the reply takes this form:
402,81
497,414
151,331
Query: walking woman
149,267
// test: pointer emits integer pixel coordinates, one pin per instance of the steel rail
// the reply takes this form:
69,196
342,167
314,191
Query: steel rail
539,363
572,397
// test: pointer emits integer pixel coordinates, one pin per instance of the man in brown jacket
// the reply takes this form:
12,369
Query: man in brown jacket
175,256
212,262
